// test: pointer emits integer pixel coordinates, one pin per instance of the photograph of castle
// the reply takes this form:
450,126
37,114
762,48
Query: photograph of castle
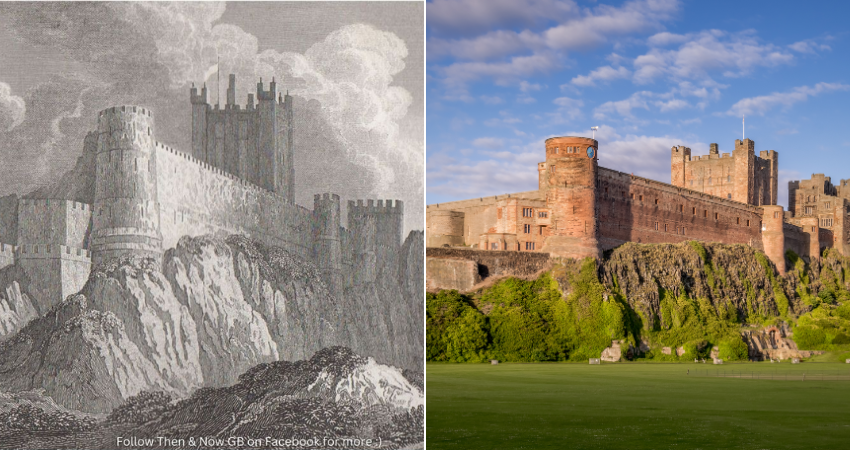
582,210
637,225
210,225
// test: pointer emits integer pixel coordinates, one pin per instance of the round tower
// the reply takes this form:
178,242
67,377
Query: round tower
326,244
773,236
571,168
125,218
445,227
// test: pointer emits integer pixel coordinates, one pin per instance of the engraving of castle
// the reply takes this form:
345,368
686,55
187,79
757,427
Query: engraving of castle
238,178
581,209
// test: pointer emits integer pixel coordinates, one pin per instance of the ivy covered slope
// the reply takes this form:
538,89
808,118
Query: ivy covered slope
688,296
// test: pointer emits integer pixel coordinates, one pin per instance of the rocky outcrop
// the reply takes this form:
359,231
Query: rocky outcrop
209,311
723,273
16,309
774,343
612,353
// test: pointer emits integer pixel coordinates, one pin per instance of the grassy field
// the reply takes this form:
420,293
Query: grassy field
635,406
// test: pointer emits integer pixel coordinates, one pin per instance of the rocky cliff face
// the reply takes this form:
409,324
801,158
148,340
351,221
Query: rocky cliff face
719,273
211,310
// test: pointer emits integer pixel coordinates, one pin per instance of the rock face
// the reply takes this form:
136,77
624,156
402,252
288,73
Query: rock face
340,393
612,353
16,309
726,274
208,312
774,343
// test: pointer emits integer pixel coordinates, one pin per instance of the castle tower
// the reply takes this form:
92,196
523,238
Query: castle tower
363,226
773,236
254,143
571,196
744,155
812,230
327,251
126,207
679,156
199,122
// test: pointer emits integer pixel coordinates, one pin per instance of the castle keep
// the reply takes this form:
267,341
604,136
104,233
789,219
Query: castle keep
581,209
237,179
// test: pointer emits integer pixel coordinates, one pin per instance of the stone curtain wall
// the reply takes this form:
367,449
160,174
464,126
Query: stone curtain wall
197,198
628,212
53,222
495,263
480,215
9,219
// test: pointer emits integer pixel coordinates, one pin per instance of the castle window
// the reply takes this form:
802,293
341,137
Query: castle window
632,195
527,212
810,209
728,178
526,228
738,221
776,214
705,213
694,211
494,246
556,150
813,230
541,231
748,223
683,231
665,227
692,182
716,216
656,226
656,201
826,205
542,214
641,198
729,196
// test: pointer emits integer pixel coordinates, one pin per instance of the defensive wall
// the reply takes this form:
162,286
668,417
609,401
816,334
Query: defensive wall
581,209
637,209
148,195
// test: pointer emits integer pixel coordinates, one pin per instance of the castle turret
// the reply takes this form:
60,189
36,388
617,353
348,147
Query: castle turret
126,206
363,227
327,250
231,92
773,236
811,228
571,196
200,107
679,157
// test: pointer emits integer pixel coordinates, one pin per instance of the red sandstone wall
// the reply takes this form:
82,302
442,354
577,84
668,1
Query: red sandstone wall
624,217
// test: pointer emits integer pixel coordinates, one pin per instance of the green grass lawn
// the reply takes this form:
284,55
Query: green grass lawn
634,406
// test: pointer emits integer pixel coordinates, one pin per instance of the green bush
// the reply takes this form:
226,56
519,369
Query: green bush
733,349
455,330
809,337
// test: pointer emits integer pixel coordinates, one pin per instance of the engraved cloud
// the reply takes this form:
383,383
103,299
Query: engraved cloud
12,108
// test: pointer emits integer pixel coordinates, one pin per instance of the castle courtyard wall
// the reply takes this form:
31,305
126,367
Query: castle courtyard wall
197,198
636,209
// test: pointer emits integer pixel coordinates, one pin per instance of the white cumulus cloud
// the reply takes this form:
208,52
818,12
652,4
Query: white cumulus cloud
12,108
763,103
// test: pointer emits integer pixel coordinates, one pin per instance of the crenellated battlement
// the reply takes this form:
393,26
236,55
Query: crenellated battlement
52,251
45,203
370,208
746,144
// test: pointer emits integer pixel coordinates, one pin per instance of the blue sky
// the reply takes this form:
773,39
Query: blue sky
504,75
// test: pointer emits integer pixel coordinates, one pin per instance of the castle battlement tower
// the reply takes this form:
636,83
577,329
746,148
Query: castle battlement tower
327,249
254,143
125,216
572,165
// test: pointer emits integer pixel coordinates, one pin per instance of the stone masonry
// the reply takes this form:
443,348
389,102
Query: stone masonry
581,209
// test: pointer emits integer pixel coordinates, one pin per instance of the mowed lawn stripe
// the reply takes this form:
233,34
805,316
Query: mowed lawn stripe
634,406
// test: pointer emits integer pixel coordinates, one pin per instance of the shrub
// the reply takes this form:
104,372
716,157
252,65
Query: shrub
455,330
809,337
141,408
733,349
30,418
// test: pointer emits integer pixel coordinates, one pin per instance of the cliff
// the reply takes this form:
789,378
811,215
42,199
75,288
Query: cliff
212,309
672,302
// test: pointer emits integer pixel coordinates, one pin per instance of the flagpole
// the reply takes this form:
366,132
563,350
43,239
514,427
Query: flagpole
218,82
